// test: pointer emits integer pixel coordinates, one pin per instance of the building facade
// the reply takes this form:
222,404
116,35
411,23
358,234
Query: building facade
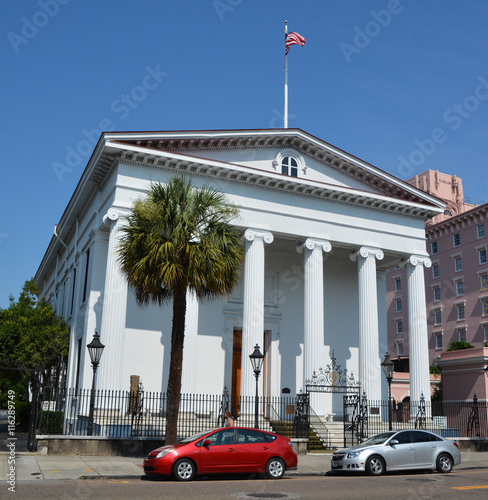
320,229
456,286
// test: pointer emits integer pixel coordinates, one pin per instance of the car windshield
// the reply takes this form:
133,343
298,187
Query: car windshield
378,439
194,437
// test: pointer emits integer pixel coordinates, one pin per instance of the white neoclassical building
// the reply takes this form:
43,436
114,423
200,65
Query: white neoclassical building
320,228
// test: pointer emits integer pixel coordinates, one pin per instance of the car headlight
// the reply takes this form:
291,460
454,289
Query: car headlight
354,454
165,452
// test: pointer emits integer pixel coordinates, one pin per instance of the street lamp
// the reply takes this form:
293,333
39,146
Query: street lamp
257,363
95,349
387,366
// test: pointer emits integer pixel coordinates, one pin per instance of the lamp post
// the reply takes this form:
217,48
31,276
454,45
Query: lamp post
387,367
257,363
95,349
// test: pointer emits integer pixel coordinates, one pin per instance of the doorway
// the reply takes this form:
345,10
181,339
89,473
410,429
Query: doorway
236,371
237,365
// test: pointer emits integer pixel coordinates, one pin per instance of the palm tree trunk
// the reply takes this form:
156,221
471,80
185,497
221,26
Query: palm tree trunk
176,365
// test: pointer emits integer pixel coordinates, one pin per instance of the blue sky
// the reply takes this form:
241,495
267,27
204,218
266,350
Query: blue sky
402,84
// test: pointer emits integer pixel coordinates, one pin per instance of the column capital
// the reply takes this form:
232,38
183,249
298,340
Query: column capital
417,260
112,215
311,243
253,234
366,252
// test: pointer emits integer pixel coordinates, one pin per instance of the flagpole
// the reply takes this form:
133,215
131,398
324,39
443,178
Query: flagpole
285,114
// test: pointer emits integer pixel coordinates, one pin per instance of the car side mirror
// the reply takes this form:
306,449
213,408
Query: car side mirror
393,442
207,442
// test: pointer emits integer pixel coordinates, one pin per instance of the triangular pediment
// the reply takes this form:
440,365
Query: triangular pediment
260,149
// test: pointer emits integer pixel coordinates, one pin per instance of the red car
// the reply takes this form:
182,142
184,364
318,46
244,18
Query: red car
226,450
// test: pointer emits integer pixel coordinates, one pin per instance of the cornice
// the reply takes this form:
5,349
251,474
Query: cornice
472,217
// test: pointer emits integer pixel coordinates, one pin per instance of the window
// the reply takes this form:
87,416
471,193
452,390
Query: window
289,166
456,239
398,284
223,437
398,305
482,255
437,317
85,285
484,306
458,264
459,287
399,327
404,437
433,247
437,293
462,334
485,332
73,290
399,348
461,314
438,340
435,271
481,231
252,436
78,364
484,281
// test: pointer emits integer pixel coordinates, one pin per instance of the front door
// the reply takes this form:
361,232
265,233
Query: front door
236,372
220,455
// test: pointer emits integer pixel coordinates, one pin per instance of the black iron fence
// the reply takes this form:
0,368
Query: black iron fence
364,418
125,414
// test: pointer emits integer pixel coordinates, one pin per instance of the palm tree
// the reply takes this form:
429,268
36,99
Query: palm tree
176,239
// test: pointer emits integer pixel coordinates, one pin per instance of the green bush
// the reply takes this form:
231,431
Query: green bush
22,415
458,345
50,422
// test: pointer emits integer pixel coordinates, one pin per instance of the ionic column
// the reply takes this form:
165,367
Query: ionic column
313,340
112,331
253,306
369,359
417,330
189,376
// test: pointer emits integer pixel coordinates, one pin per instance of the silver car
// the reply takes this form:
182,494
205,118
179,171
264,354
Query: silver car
398,450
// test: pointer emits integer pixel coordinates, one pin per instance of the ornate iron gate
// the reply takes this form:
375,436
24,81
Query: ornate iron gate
333,379
355,418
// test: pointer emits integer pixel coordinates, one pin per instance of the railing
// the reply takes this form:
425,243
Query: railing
446,418
125,414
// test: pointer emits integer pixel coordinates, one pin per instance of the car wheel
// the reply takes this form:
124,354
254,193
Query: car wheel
375,465
444,463
275,468
183,470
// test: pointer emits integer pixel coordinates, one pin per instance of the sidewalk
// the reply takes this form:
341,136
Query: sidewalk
35,467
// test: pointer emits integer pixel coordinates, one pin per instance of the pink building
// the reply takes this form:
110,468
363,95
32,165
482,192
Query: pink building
456,285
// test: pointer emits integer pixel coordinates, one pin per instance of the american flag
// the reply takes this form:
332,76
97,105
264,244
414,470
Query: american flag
293,39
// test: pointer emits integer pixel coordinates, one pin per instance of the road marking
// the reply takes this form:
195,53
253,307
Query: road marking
484,487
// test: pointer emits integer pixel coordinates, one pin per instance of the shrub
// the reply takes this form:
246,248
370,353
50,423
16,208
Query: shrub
22,415
458,345
50,422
